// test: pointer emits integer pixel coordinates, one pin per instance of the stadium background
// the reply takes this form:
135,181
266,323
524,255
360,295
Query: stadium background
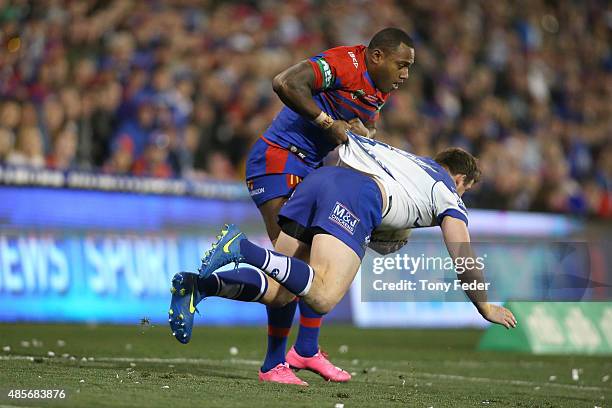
109,95
124,127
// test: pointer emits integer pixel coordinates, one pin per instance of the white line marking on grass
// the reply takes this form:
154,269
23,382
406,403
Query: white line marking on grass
178,360
511,382
153,360
157,360
15,406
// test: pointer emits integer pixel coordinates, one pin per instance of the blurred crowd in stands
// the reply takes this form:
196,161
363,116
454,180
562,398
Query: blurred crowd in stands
183,88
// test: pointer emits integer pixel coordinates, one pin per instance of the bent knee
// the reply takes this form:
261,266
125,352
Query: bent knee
321,299
322,305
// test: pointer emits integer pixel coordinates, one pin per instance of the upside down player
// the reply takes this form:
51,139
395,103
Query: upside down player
325,96
383,188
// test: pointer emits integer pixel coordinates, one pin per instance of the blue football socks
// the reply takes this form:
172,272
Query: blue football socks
245,284
292,273
307,343
279,325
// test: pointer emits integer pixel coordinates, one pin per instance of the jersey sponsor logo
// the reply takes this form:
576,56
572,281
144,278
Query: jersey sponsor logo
358,94
342,216
257,191
326,72
354,58
374,100
460,203
298,152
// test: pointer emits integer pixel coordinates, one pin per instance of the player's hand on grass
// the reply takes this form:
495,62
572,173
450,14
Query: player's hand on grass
358,127
337,131
499,315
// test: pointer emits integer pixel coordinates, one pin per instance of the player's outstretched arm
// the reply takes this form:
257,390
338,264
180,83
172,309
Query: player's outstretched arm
457,239
294,87
498,314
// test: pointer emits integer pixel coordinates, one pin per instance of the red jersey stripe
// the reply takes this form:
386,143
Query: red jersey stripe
276,159
278,331
318,77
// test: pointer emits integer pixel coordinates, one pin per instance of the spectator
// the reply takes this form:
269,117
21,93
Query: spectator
63,153
7,139
122,157
153,162
105,101
10,115
526,88
28,148
139,129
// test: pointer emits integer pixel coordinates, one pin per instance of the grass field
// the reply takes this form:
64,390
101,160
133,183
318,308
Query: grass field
132,366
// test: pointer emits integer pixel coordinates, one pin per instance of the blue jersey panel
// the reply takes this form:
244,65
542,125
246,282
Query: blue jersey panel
291,129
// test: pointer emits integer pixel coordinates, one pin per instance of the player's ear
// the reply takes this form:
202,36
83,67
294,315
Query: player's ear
459,179
377,55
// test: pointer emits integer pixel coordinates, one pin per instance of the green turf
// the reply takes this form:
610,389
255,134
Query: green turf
396,368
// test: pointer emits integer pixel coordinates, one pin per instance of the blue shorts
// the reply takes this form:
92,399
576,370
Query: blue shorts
334,200
273,171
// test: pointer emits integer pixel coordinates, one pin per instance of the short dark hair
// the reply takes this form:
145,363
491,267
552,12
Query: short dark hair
390,38
458,161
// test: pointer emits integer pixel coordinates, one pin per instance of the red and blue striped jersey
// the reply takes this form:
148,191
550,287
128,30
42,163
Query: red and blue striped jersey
343,89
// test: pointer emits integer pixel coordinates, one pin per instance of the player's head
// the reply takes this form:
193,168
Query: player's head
390,55
462,166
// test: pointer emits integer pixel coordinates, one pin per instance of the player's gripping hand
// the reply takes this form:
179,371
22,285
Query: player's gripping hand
499,315
337,131
358,127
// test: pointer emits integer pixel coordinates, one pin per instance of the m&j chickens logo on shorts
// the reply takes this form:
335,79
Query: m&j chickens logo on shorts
344,217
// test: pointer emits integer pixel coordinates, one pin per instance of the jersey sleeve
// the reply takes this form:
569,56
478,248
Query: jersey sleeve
447,203
328,67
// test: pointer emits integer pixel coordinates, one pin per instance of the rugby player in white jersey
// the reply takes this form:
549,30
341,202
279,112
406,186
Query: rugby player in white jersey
334,214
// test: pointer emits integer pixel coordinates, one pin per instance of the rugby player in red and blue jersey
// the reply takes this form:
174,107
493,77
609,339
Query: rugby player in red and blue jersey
340,89
325,96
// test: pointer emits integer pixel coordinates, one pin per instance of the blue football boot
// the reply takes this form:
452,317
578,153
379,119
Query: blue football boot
185,297
226,250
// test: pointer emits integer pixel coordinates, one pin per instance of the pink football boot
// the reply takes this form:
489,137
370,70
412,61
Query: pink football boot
318,364
281,374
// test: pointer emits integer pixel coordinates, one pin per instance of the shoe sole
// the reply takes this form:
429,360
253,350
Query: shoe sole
175,318
294,368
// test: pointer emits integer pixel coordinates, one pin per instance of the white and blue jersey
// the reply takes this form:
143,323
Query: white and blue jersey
420,191
347,203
